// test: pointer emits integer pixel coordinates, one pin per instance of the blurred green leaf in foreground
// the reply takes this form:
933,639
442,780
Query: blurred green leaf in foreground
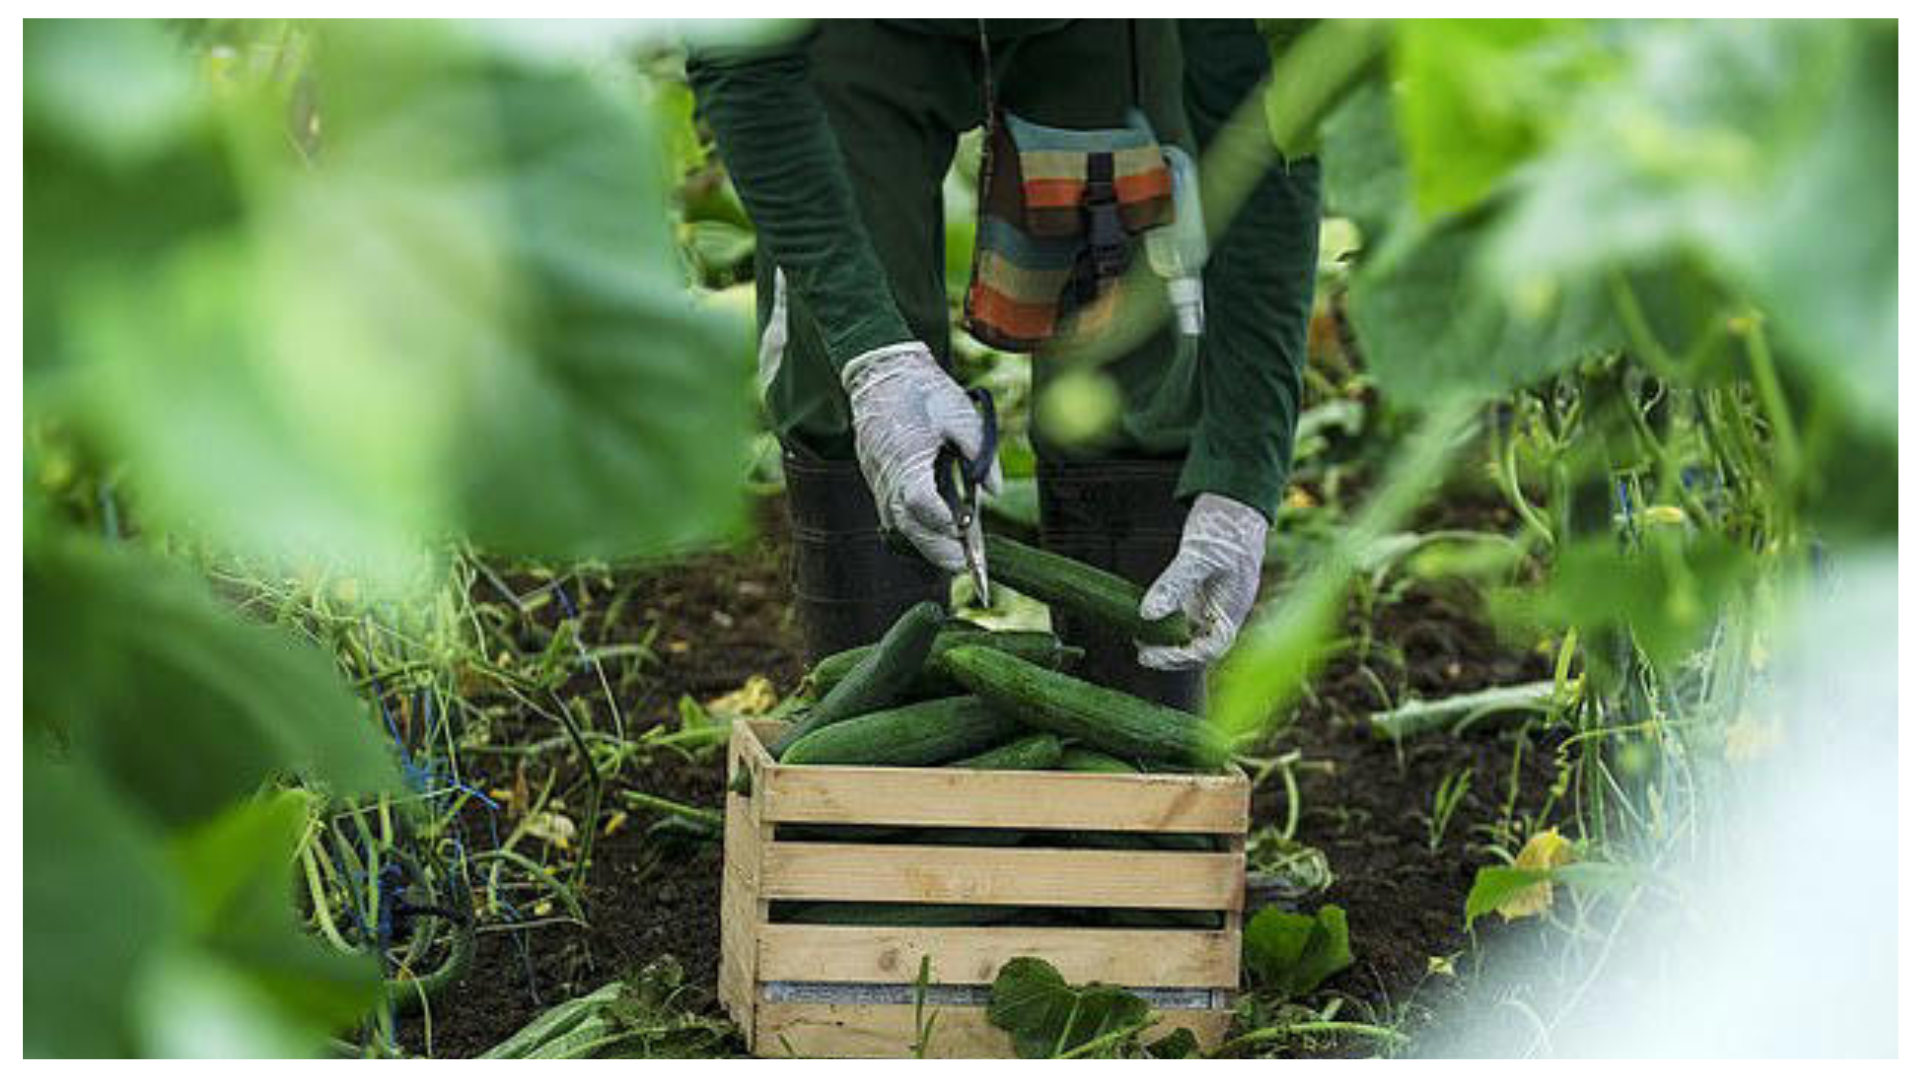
315,295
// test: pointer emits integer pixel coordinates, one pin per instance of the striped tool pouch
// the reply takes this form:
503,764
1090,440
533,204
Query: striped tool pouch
1059,211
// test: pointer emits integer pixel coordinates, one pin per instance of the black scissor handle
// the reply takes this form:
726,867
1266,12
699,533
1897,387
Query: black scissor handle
973,470
979,467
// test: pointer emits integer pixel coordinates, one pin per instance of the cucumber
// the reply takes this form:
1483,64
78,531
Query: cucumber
878,678
908,915
1040,751
1172,919
1103,719
1103,597
863,914
1081,759
1038,646
810,833
555,1022
924,733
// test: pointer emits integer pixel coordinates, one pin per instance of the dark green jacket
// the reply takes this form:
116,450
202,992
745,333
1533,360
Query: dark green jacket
786,164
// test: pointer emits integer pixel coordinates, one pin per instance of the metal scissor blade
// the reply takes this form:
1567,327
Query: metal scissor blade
975,547
977,563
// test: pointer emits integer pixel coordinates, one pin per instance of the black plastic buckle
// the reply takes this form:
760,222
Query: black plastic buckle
1106,233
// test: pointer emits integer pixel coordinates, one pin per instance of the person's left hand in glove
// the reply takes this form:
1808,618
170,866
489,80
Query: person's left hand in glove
1213,578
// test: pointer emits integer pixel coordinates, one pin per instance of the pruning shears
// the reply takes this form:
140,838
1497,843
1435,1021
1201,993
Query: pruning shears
958,478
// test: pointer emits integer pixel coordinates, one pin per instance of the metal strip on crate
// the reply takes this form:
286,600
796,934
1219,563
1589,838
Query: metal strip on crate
827,993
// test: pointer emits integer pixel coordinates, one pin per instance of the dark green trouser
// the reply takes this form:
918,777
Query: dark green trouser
898,101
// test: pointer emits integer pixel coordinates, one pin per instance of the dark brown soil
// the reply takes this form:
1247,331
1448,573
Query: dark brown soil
1363,802
718,620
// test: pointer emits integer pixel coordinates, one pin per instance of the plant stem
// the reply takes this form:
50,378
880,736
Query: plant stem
1419,717
646,801
1315,1027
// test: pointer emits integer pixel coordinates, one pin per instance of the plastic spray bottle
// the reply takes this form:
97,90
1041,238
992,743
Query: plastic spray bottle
1178,252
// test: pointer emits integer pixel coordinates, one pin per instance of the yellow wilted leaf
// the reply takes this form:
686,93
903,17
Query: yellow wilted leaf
614,823
1545,850
556,829
755,697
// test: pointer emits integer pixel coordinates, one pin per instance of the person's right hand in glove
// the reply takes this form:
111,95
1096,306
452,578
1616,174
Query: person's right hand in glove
904,410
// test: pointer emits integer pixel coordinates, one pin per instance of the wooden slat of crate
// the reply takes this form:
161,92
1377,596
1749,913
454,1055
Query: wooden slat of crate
991,799
886,1031
743,911
974,954
1047,877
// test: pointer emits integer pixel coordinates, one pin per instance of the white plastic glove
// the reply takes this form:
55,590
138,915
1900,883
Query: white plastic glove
904,410
1213,578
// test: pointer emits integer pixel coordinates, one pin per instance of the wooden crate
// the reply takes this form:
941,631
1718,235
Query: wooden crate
764,963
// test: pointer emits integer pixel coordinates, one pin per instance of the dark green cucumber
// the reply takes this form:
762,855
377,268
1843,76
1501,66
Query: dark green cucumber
1038,646
1081,759
1103,597
898,834
809,833
924,733
879,678
1040,751
860,914
1101,718
1138,919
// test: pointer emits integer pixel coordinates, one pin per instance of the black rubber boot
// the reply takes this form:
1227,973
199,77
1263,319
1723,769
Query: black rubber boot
848,585
1121,516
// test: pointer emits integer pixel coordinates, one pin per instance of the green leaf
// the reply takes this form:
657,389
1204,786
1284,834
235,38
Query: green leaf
1288,867
1763,149
117,87
1497,885
1290,954
1023,991
1426,318
1363,170
192,1005
1476,100
1428,326
1669,593
461,316
122,162
97,903
720,246
1494,886
1047,1017
239,903
1178,1043
1597,876
183,707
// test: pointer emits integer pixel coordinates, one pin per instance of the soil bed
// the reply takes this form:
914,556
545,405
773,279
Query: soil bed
718,619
